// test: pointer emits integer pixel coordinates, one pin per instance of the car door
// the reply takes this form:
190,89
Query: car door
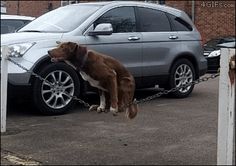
158,41
124,43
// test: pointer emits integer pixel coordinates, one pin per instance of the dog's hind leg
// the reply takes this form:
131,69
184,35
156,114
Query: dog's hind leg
113,92
126,93
121,99
108,102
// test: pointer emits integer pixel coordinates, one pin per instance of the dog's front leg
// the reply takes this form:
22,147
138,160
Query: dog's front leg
102,105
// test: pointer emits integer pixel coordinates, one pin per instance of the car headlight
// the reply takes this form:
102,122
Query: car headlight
214,54
18,50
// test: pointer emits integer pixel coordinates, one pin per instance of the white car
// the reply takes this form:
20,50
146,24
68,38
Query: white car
10,23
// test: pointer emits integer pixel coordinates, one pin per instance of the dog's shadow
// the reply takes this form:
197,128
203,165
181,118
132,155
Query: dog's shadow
93,97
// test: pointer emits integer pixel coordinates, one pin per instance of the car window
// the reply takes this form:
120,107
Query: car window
153,20
178,24
121,18
9,26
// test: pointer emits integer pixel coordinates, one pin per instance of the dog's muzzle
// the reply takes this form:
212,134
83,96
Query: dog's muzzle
50,55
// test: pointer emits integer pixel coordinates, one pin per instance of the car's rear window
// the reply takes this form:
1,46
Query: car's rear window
178,24
153,20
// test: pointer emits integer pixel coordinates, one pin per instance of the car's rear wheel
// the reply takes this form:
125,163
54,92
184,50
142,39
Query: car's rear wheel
54,94
182,73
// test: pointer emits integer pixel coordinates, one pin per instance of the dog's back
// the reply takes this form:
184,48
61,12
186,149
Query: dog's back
112,63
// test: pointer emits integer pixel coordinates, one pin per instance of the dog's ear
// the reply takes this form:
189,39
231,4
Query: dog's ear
82,50
72,47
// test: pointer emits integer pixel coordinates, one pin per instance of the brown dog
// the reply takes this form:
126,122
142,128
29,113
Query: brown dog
116,85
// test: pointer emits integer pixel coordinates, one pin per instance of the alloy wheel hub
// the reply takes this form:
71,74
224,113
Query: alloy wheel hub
183,76
58,93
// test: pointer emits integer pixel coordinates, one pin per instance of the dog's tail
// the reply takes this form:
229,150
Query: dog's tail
132,111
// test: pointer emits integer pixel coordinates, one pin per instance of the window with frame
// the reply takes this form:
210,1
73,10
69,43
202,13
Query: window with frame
152,20
9,26
121,18
178,24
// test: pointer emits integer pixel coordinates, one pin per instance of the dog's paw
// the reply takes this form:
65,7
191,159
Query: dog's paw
114,111
100,109
93,107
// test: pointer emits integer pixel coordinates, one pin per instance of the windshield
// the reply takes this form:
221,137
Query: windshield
63,19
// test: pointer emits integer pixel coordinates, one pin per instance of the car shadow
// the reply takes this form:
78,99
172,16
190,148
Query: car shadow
21,107
25,107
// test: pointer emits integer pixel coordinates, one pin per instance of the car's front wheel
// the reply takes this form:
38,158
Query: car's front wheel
182,73
53,95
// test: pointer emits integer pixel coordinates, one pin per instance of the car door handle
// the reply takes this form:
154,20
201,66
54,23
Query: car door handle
132,38
173,37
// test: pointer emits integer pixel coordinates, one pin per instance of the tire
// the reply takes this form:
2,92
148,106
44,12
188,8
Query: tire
182,73
54,99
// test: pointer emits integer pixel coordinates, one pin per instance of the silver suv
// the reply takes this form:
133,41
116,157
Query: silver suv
158,45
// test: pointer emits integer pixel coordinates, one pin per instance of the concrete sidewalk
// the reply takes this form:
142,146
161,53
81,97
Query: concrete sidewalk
166,131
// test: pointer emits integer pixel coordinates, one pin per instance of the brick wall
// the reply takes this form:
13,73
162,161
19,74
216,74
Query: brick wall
30,8
182,5
215,20
212,18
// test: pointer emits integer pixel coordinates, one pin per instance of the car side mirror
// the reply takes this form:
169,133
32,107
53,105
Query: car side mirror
102,29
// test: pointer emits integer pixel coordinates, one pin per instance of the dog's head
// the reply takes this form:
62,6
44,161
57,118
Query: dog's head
67,51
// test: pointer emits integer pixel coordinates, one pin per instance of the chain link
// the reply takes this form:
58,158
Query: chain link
164,92
48,82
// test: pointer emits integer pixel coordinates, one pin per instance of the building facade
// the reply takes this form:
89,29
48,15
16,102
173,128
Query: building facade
212,18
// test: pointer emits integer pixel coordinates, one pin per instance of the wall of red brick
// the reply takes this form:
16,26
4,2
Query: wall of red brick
212,18
30,8
215,19
182,5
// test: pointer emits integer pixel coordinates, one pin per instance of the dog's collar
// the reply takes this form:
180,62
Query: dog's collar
82,61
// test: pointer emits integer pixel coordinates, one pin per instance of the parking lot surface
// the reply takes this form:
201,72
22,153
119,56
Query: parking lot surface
166,131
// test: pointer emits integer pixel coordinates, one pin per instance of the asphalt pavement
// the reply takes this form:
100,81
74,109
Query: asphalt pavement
166,131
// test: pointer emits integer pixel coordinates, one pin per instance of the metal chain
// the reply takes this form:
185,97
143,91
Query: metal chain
43,79
164,92
27,70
